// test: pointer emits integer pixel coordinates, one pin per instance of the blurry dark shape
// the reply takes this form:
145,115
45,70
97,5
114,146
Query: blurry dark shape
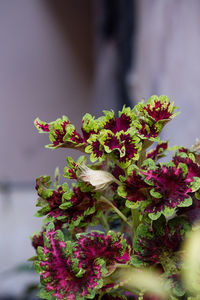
75,19
118,24
24,267
31,290
30,293
31,296
115,23
5,192
22,297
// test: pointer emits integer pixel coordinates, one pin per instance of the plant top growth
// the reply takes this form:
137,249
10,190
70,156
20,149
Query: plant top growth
117,231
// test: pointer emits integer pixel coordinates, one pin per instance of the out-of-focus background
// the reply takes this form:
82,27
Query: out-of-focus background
71,57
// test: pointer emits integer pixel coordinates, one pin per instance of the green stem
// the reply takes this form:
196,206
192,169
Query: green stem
116,162
105,223
135,213
135,219
122,226
117,181
120,214
70,145
124,266
141,158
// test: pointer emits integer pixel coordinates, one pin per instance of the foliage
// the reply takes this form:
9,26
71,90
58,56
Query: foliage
144,210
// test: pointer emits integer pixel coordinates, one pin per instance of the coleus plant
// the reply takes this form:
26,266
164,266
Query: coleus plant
124,211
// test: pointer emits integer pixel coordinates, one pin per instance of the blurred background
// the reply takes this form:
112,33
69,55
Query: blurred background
71,57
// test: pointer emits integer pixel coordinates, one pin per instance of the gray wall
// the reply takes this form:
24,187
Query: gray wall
168,61
46,69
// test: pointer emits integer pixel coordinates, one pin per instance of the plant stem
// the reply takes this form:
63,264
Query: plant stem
105,223
134,212
122,226
120,214
135,219
117,181
115,161
141,158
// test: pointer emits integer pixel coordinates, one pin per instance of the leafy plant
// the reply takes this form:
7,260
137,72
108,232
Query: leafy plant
117,231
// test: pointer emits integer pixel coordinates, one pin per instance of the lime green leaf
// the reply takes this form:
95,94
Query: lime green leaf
121,191
154,216
40,253
43,294
187,202
155,194
168,212
37,267
197,195
65,205
132,205
184,168
195,184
